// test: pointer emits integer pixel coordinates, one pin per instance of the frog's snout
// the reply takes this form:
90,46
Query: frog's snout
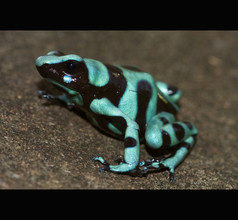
39,61
42,69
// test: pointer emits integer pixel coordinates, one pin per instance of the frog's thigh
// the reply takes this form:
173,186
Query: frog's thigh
163,131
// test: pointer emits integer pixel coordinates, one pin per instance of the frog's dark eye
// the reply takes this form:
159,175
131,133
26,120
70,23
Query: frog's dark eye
71,65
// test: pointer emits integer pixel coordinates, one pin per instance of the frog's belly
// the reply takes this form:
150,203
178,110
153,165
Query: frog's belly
113,126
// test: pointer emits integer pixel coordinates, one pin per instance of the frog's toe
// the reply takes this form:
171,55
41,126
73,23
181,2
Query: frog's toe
102,161
171,177
127,168
45,95
41,93
104,168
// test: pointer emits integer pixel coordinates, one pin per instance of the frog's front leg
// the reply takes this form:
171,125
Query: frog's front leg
62,98
131,152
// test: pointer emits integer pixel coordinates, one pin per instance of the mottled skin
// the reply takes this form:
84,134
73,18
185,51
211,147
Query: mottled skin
124,102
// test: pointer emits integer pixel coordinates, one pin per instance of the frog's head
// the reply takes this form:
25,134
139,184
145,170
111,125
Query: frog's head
66,71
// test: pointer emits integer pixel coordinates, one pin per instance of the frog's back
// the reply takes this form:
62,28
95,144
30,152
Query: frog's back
142,99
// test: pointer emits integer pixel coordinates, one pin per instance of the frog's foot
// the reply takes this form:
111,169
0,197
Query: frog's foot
170,162
126,168
45,95
62,98
102,161
157,165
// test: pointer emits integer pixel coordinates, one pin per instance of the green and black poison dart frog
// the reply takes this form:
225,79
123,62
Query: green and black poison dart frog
124,102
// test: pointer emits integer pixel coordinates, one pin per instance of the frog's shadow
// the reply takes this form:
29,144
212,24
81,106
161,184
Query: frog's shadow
49,88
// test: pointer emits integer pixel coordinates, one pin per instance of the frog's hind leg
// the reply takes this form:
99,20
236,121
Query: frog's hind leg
172,93
164,132
172,161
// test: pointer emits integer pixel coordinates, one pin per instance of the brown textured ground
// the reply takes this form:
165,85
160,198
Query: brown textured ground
48,146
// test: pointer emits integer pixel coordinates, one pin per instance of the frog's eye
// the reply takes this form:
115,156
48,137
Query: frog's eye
71,65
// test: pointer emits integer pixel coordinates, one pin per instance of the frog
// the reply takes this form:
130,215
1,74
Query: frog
126,103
